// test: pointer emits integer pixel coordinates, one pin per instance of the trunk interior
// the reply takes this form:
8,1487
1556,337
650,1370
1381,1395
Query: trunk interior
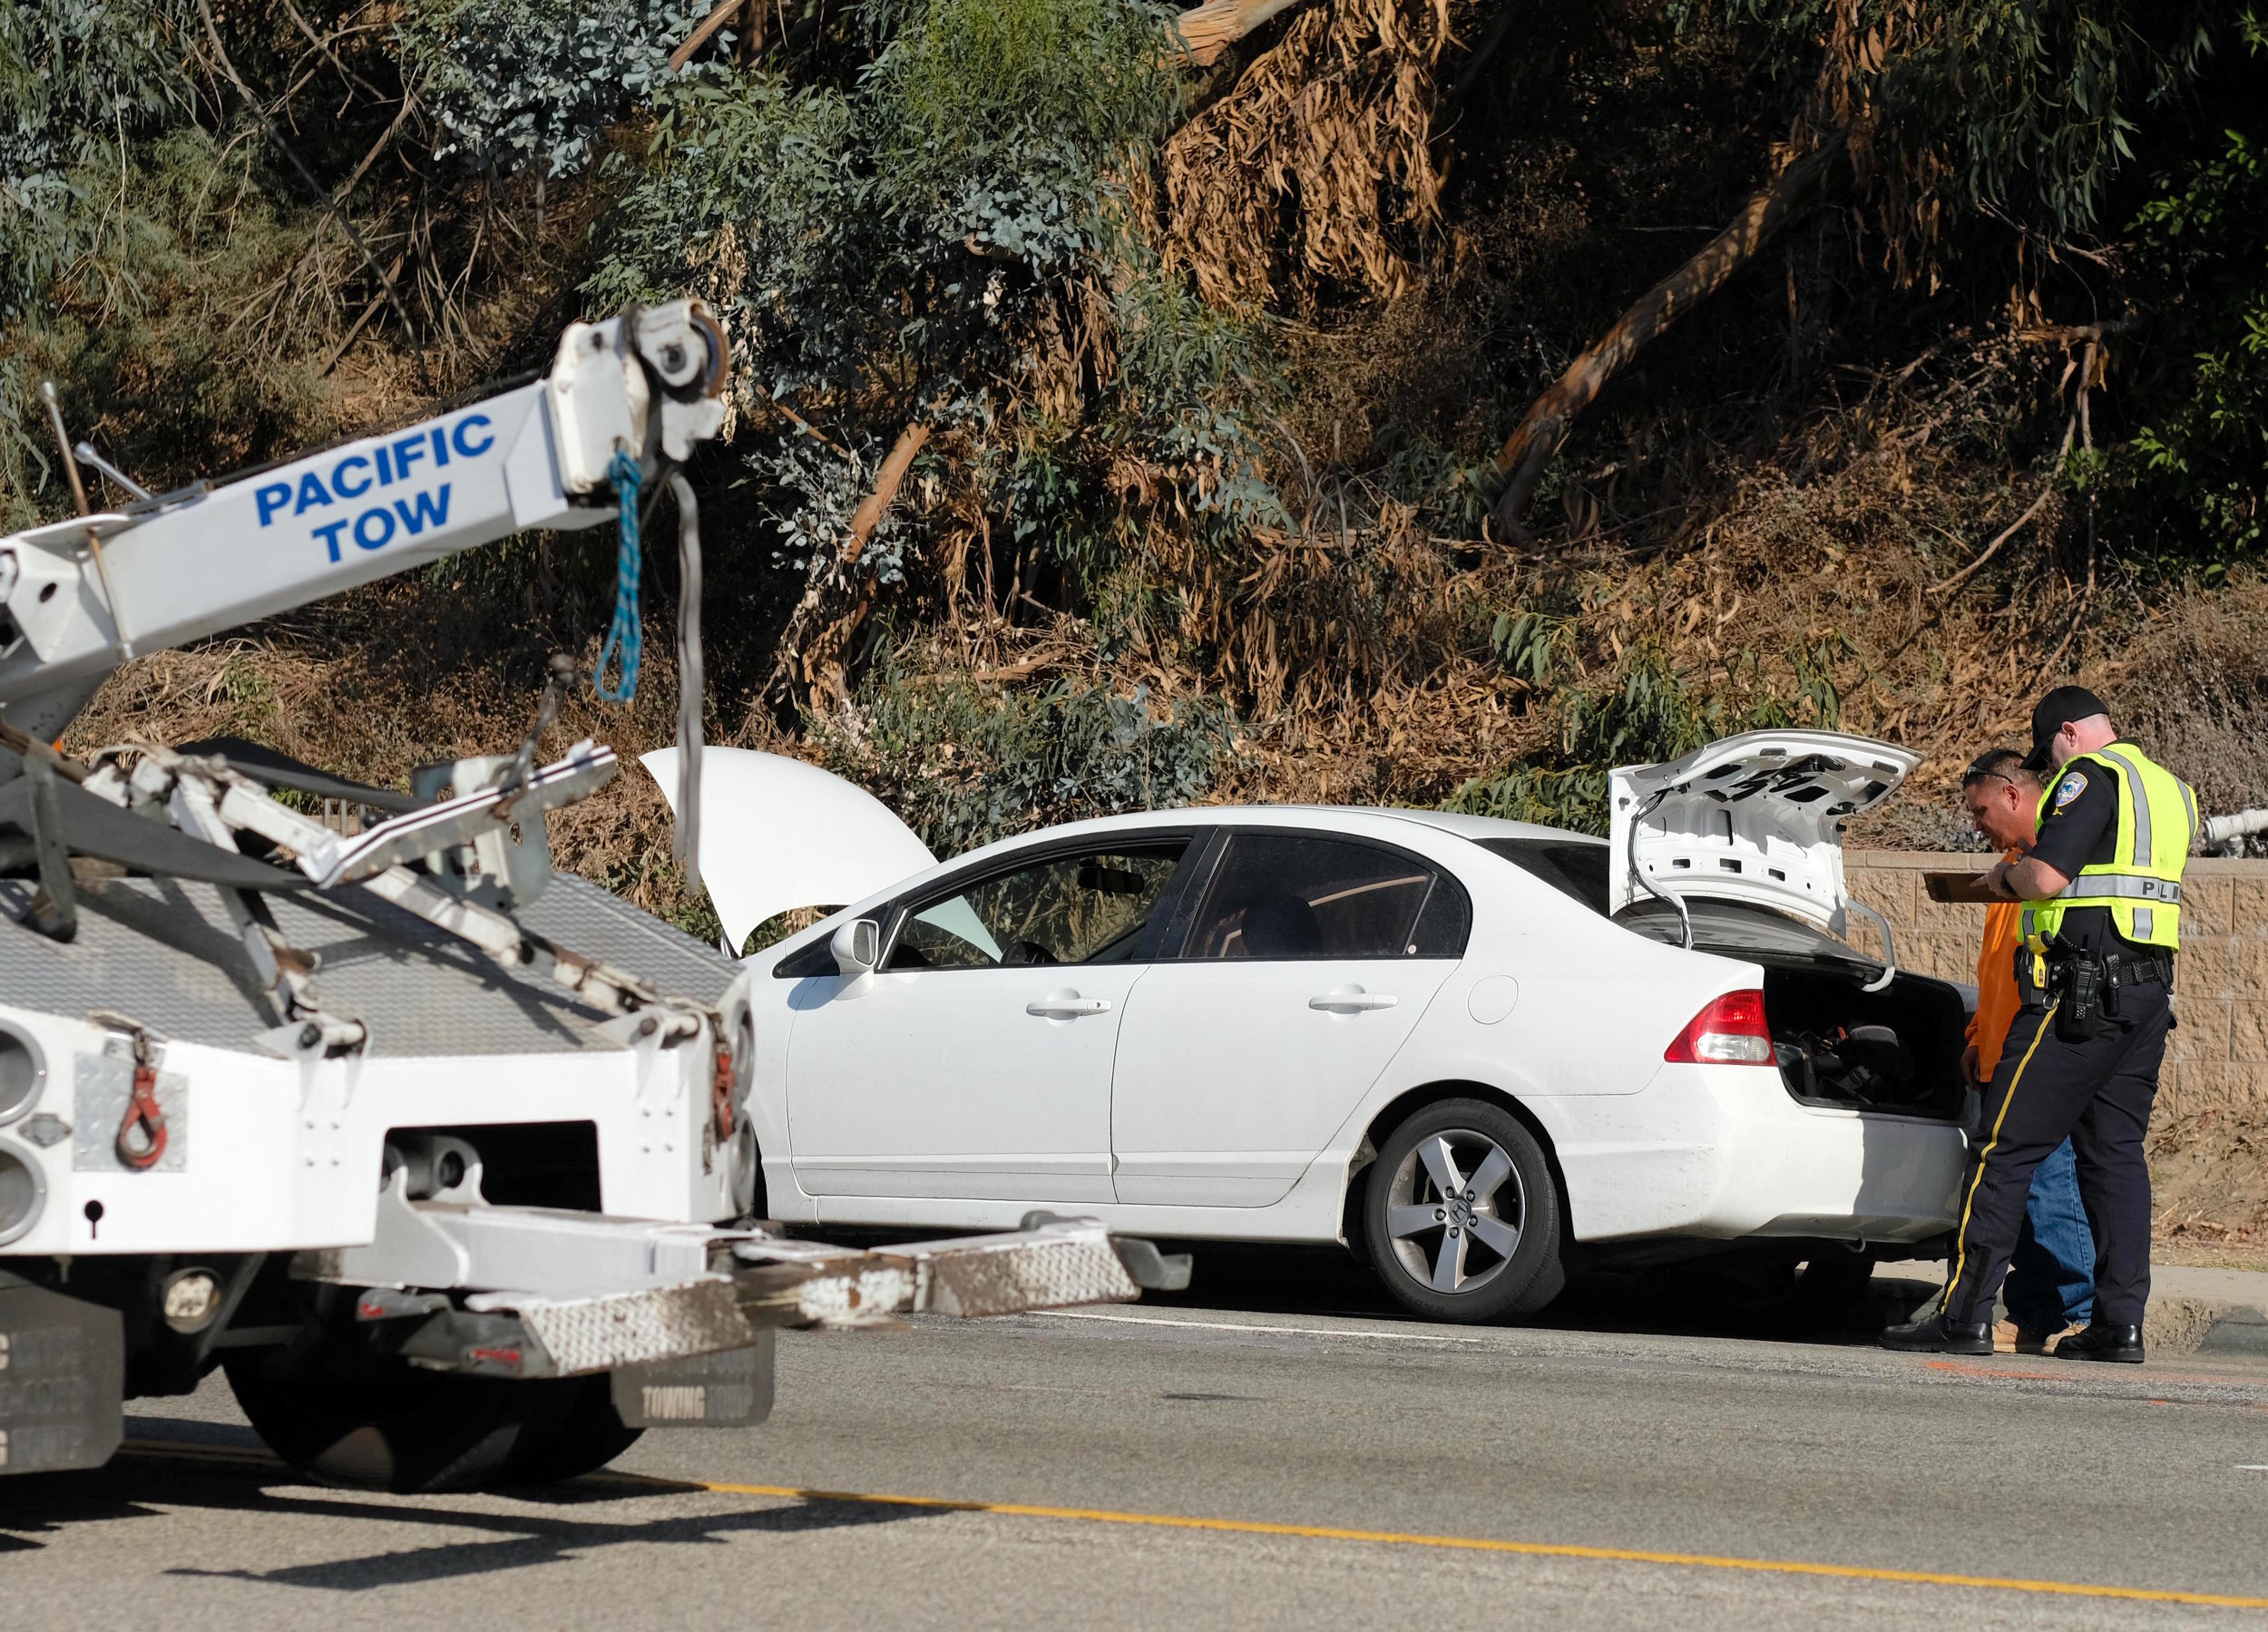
1898,1049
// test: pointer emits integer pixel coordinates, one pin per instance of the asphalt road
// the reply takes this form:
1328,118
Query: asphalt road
1244,1466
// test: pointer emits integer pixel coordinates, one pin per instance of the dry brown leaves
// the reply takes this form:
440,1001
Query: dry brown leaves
1318,159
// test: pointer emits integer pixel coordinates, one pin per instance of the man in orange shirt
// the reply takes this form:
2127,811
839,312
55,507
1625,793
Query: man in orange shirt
2051,1284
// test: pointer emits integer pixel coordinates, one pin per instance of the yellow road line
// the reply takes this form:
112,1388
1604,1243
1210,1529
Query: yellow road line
1320,1532
1479,1544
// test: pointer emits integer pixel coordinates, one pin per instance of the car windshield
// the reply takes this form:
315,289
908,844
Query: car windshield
1578,869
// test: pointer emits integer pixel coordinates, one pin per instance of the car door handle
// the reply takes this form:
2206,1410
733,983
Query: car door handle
1068,1006
1352,1003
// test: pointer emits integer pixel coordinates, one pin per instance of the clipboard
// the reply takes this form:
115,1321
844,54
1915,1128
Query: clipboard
1958,887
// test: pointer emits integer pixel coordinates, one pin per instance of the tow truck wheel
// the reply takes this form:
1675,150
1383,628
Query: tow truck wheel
387,1425
1462,1216
591,1435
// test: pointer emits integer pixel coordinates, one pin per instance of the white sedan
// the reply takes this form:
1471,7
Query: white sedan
1477,1052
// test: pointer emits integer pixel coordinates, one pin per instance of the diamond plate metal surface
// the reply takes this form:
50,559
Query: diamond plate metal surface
1011,1274
102,1086
636,1328
165,953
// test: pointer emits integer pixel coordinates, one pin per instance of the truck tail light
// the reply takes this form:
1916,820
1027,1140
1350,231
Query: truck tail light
1729,1031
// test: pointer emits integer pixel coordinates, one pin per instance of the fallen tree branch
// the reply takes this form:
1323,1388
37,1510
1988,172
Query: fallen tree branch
1520,464
368,312
330,207
1994,549
337,203
716,19
868,515
2076,334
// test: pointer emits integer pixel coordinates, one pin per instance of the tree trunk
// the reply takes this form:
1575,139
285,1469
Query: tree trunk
1213,27
807,660
1520,462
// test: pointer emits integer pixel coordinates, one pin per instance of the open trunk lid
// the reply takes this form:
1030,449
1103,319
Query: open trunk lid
1754,818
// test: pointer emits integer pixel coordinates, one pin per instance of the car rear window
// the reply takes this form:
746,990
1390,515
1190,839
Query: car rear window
1578,871
1575,869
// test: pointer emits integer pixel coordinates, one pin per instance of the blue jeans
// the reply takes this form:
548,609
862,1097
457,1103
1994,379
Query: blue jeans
2051,1277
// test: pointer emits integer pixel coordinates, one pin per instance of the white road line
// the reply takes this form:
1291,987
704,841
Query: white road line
1222,1325
2252,1467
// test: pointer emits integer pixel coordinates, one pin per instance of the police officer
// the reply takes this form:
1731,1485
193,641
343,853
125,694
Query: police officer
2095,973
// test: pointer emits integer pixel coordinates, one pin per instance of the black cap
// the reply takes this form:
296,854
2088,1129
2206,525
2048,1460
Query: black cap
2055,710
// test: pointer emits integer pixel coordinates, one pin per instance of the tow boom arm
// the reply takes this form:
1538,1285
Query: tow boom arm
78,598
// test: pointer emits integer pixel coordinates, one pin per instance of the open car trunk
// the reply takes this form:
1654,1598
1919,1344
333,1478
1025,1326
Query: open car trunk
1897,1051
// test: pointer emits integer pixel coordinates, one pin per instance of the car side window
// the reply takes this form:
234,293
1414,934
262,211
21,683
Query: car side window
1084,906
1290,895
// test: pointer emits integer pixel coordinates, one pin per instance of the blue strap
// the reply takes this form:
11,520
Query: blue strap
622,635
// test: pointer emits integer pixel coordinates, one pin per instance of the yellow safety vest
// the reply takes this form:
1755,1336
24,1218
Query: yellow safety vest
2141,883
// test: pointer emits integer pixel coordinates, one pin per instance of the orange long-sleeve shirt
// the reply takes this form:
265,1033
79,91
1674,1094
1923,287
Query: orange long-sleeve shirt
1996,1000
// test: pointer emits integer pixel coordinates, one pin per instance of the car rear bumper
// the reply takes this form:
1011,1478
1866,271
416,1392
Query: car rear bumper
1722,1151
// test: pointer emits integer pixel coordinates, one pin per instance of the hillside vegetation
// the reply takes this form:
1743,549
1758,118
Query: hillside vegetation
1418,401
1421,401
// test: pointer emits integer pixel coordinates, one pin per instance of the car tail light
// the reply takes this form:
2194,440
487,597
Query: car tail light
1729,1031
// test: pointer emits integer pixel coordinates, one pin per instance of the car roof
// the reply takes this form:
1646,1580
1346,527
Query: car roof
1465,825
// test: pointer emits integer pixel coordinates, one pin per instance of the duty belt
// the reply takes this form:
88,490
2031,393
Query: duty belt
2139,968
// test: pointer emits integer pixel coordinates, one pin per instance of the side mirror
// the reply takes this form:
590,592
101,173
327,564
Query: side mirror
858,946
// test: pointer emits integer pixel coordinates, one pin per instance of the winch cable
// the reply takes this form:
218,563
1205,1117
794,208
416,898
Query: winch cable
692,683
624,641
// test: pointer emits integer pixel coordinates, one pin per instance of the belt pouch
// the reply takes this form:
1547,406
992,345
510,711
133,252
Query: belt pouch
2080,1015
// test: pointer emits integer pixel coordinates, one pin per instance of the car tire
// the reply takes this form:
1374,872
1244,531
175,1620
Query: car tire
1504,1258
389,1426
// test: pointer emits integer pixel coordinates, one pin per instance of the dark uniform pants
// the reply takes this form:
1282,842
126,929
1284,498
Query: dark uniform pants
2098,1094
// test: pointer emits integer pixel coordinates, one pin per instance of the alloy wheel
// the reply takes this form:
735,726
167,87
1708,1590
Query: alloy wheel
1454,1211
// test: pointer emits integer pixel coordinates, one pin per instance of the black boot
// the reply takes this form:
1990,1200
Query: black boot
1938,1335
2122,1345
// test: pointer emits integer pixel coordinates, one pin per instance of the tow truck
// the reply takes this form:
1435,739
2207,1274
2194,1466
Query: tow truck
448,1161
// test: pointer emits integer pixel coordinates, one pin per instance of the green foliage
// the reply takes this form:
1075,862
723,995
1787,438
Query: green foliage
935,238
2203,241
1643,711
1002,122
1189,373
749,193
80,80
963,764
1532,645
2027,109
524,82
169,331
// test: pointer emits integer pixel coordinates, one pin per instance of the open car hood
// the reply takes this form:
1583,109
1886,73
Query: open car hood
777,833
1756,818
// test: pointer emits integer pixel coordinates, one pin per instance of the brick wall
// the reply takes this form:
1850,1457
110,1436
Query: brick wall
2219,1053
